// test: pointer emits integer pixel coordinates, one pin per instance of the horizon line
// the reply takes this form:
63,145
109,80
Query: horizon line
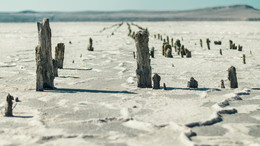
134,10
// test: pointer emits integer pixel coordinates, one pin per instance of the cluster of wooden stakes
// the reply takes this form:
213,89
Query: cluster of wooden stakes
47,68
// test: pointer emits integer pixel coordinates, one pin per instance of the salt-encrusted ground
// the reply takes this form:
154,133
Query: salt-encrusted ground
97,101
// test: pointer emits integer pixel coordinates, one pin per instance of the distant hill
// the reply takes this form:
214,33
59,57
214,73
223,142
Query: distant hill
225,13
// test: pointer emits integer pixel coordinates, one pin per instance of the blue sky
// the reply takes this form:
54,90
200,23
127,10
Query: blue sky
110,5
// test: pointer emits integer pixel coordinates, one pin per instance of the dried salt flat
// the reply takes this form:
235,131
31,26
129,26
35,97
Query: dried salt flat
97,101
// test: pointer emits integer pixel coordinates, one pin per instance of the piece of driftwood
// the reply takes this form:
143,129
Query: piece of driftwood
90,45
9,105
232,77
44,65
55,67
152,52
220,51
192,83
143,71
156,81
217,42
134,54
222,84
59,54
201,43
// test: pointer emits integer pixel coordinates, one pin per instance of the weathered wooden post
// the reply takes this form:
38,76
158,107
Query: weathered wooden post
55,67
172,42
201,43
192,83
152,52
182,51
163,51
208,41
168,51
178,45
188,53
44,71
232,77
9,105
220,51
244,58
134,54
230,44
168,39
222,84
240,48
156,81
59,54
90,45
143,71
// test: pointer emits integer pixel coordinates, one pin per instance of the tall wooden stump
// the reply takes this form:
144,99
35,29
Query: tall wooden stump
201,43
156,81
143,71
192,83
9,106
44,71
59,54
232,77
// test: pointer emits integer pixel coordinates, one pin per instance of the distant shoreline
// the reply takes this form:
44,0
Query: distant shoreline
227,13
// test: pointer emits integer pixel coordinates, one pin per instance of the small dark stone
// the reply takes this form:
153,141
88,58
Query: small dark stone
17,99
192,83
